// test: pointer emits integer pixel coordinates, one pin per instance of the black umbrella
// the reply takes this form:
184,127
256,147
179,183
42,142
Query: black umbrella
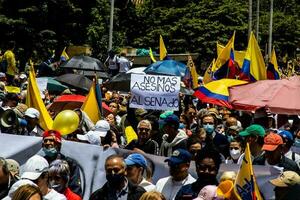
120,82
77,81
84,63
103,75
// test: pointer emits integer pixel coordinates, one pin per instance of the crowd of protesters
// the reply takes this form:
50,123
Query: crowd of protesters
206,134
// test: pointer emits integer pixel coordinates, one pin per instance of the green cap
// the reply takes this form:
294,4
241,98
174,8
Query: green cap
254,129
166,114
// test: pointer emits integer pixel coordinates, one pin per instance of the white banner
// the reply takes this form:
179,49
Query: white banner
42,85
154,92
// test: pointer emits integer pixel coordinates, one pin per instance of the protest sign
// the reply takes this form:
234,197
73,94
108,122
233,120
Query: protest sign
154,92
42,84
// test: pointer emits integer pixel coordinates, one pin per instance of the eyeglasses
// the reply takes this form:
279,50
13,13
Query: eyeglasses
144,129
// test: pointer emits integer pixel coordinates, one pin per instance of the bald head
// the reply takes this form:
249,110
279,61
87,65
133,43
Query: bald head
231,121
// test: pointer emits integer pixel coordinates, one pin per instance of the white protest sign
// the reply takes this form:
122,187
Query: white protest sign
154,92
42,85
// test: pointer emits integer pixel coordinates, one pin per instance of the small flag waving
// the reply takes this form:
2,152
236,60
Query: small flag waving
273,70
34,100
151,55
64,56
254,67
162,49
208,73
193,71
93,105
245,186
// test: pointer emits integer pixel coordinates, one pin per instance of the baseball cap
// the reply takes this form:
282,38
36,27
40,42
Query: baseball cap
179,156
136,159
171,119
56,134
207,193
32,113
34,167
286,179
286,134
102,126
2,75
93,137
272,141
17,185
254,129
23,76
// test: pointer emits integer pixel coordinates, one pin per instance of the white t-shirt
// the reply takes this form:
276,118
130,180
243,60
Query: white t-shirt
124,64
148,186
169,188
112,63
53,195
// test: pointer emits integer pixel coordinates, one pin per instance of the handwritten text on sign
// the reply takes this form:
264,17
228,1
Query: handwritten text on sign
154,92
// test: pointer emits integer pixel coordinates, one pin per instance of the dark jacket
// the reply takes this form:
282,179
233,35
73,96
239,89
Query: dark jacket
150,146
134,192
192,190
286,163
4,189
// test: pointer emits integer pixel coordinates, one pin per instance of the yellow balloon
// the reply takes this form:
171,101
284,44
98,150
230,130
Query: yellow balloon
66,122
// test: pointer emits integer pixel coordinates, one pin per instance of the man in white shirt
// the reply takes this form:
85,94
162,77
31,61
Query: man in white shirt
179,164
124,63
36,170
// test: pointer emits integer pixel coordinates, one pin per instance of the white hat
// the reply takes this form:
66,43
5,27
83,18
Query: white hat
16,186
32,113
102,126
34,167
93,137
23,76
2,75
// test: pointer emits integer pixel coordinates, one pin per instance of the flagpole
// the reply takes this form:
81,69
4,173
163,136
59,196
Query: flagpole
257,20
270,29
111,24
250,19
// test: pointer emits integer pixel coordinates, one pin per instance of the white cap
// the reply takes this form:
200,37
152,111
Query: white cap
34,167
93,137
32,113
18,184
23,76
102,126
2,75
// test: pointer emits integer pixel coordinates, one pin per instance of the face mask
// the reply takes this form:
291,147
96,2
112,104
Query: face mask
207,177
115,179
52,152
57,187
181,126
235,154
209,128
297,142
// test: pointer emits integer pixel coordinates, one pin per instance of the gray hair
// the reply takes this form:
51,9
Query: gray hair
60,167
145,121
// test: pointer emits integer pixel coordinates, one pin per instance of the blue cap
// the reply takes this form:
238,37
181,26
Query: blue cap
179,156
136,159
172,119
286,134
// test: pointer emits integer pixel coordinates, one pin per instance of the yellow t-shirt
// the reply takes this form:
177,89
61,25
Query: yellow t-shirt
9,56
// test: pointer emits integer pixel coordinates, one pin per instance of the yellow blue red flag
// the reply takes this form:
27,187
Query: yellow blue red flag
225,66
193,72
162,49
245,186
34,100
273,72
208,73
64,56
254,67
238,55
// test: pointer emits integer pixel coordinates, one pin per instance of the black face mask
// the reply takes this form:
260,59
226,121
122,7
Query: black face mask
115,179
207,177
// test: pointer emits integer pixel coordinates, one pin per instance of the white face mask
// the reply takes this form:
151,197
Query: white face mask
235,154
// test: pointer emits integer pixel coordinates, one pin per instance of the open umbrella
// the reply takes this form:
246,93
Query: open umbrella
84,63
67,102
216,92
277,96
120,82
55,86
167,67
77,81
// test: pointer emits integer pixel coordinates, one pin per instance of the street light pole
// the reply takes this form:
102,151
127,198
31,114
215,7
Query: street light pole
250,19
111,24
270,29
257,20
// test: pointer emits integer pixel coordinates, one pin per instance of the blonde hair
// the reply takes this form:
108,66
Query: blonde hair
26,191
152,195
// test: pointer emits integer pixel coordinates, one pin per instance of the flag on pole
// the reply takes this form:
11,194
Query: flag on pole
245,186
162,49
34,100
225,66
193,72
64,56
151,55
254,67
208,73
238,55
92,105
273,72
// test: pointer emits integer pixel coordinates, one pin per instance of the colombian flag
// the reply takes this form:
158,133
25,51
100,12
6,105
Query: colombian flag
216,92
272,70
64,56
253,68
225,66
